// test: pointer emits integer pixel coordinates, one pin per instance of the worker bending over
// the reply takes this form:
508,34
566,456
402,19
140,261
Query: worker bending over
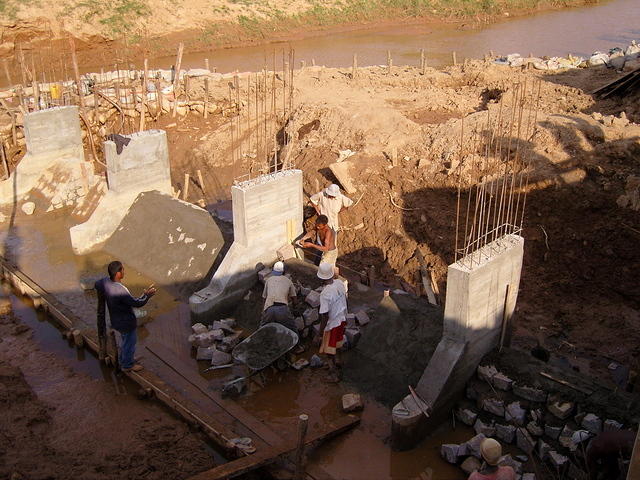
278,291
330,202
324,241
333,317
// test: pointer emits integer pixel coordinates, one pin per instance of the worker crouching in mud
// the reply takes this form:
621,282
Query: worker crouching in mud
277,293
333,318
324,241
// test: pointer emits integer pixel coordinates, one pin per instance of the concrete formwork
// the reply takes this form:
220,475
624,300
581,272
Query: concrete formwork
480,294
142,166
54,163
267,213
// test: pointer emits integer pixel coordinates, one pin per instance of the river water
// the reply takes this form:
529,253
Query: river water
579,31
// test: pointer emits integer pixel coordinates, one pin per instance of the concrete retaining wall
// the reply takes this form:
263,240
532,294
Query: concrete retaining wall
142,166
54,162
267,213
479,295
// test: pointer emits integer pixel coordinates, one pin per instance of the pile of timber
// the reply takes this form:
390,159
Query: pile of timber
623,86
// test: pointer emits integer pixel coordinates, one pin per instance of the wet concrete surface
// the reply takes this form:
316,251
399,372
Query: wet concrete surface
579,31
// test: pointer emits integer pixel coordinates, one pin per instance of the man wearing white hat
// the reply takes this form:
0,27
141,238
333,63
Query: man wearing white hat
491,451
333,316
278,290
331,202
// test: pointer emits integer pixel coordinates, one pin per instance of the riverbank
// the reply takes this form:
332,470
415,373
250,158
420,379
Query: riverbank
129,30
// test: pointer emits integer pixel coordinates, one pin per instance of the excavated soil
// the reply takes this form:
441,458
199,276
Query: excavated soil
578,295
57,423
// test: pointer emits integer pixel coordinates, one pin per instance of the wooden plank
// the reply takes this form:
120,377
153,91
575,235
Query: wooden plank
634,464
426,278
190,373
261,459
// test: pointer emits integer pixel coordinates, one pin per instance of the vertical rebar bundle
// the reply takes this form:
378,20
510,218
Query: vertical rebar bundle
493,175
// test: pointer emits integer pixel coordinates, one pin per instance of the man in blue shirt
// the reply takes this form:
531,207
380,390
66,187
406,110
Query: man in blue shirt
120,303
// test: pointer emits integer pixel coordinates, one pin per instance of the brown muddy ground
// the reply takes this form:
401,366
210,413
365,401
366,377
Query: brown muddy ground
57,423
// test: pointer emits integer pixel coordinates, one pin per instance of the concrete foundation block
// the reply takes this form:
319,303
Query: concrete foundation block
470,465
220,358
592,423
466,416
353,336
515,413
530,393
524,440
449,452
230,341
561,409
352,402
472,446
494,406
199,328
505,433
205,353
501,382
313,299
486,372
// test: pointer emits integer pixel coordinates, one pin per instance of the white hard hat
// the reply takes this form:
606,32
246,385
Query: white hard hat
332,190
325,271
491,451
278,267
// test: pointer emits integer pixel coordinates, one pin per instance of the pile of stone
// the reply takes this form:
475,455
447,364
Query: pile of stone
215,342
468,456
541,423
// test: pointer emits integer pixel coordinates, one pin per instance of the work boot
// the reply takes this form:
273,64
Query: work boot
136,368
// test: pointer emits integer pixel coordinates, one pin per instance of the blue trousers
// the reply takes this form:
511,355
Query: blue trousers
128,348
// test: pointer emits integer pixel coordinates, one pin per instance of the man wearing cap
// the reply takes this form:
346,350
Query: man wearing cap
333,317
491,451
331,202
278,290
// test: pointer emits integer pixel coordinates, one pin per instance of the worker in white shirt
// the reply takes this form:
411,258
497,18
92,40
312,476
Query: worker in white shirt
278,291
333,317
331,202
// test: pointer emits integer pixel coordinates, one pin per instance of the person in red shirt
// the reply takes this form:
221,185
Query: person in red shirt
491,451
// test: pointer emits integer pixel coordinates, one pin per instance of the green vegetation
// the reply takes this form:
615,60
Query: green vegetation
118,16
9,8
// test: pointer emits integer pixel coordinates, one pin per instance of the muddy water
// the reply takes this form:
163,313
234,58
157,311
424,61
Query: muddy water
579,31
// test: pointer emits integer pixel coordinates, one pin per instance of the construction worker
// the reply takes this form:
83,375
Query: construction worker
333,317
120,303
331,202
604,452
278,290
491,451
324,240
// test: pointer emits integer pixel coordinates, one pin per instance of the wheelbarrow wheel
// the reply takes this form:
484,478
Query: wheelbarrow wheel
282,364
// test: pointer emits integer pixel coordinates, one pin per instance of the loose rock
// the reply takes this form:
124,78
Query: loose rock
352,402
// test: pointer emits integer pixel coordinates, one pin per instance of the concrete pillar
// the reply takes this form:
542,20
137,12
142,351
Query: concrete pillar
54,160
142,166
267,214
481,289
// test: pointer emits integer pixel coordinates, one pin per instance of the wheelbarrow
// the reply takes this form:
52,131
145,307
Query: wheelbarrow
262,348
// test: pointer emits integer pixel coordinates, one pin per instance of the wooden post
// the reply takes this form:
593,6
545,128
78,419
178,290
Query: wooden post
206,98
186,187
201,183
158,97
455,62
313,62
77,338
423,62
143,107
389,62
23,67
354,67
206,64
6,72
76,72
5,163
176,80
114,347
303,421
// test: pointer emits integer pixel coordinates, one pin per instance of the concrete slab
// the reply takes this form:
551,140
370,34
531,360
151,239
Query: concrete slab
179,244
267,213
341,171
142,166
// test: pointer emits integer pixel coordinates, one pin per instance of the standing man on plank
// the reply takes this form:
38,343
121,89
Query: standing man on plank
120,303
333,317
331,202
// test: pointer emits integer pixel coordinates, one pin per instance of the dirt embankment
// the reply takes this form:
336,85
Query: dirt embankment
124,30
60,424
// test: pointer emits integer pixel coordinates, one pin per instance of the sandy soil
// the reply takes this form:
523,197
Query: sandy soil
57,423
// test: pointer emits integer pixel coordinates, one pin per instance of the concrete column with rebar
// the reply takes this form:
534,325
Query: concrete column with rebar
481,294
267,214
